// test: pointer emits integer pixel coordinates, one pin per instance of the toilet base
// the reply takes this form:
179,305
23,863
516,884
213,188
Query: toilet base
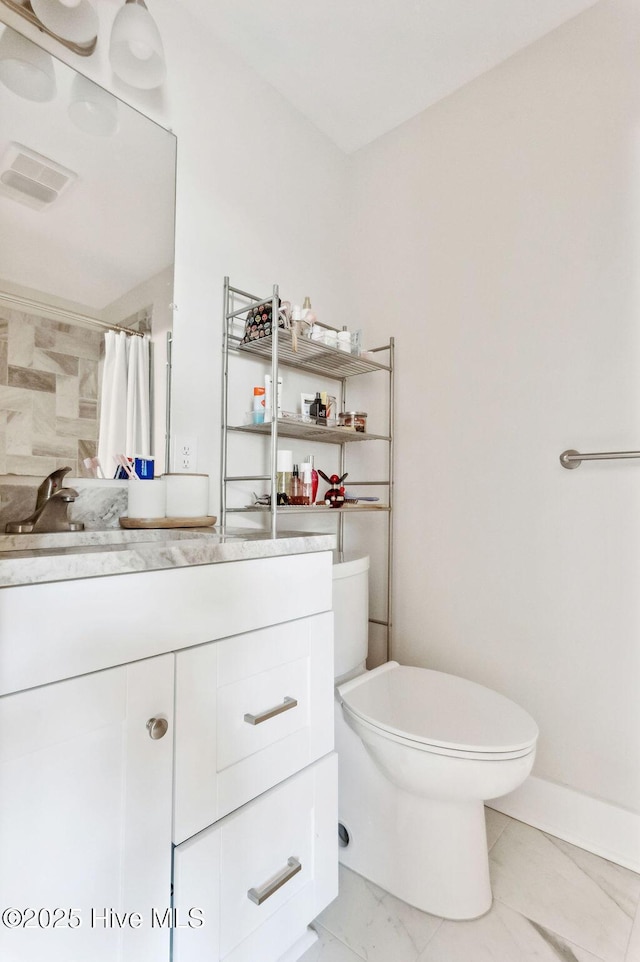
430,853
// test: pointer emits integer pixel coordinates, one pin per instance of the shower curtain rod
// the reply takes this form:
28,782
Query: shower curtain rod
573,459
62,313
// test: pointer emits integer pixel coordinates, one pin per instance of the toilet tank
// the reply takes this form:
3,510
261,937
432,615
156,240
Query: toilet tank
351,614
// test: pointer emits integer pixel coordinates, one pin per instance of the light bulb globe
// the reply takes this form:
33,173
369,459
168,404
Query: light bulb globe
135,50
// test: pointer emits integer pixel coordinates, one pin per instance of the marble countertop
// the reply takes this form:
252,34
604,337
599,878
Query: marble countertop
32,559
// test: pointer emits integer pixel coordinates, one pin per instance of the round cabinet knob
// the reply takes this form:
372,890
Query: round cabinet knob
157,727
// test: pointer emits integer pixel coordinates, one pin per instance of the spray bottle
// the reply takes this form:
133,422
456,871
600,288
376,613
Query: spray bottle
314,479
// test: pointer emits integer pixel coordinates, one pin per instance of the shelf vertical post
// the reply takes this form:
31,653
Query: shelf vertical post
390,513
275,324
167,421
225,404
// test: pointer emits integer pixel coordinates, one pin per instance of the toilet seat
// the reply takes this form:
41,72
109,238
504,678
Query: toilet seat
440,713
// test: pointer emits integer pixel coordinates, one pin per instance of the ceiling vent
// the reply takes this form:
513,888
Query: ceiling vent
31,178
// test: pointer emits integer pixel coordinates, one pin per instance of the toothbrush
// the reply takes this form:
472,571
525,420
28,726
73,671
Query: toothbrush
124,463
93,465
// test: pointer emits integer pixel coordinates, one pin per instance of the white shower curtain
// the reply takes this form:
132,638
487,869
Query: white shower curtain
138,414
124,400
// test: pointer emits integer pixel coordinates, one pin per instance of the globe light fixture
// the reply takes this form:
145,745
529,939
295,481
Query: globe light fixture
135,51
25,68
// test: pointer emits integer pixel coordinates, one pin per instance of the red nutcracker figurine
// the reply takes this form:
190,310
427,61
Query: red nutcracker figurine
334,497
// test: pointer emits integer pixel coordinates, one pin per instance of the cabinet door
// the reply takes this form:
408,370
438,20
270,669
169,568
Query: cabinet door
85,817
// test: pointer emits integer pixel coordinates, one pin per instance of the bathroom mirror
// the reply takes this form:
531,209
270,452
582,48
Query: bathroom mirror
87,205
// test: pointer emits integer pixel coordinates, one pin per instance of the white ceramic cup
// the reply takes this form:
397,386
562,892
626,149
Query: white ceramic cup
187,495
147,499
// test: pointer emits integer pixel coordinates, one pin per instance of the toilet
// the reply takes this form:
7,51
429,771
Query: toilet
419,752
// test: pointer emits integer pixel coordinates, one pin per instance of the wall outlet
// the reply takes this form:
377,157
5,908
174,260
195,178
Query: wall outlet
185,453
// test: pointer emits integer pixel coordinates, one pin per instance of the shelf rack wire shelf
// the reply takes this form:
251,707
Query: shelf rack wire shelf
314,357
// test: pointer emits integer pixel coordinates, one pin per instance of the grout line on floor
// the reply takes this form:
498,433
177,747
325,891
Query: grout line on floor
499,835
435,931
315,925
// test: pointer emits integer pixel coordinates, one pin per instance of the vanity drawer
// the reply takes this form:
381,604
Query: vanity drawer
250,711
278,858
260,711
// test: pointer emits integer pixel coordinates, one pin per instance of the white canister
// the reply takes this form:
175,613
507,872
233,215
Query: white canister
344,341
187,495
146,499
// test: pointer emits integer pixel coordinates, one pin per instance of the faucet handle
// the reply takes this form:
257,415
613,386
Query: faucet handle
50,485
64,494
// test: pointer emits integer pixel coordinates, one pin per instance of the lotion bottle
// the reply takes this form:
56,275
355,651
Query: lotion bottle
307,484
314,478
284,470
308,314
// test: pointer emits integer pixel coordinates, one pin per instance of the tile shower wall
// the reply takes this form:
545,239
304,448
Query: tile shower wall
48,394
49,391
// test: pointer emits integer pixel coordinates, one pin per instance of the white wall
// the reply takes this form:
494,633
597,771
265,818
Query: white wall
498,234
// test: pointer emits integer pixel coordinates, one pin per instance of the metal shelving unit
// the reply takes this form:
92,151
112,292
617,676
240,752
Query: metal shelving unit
303,431
282,348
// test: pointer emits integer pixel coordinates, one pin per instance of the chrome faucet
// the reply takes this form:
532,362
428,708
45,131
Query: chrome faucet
50,513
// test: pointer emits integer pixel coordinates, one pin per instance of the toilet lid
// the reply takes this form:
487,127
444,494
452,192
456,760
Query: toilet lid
441,710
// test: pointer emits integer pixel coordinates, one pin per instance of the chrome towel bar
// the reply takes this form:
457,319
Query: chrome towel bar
573,459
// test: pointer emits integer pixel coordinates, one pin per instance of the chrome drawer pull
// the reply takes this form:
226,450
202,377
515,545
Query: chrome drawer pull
271,712
261,895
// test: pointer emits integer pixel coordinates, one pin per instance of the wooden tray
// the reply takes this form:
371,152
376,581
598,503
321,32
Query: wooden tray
203,522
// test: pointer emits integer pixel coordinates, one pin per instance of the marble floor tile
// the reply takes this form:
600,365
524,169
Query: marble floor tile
375,925
633,949
329,949
621,884
496,822
558,887
502,935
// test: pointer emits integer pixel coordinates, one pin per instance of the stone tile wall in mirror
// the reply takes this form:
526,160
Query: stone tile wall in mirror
49,380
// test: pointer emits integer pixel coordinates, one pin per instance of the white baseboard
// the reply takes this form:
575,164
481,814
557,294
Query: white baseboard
597,826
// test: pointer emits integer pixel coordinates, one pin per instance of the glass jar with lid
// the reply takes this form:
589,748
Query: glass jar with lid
354,420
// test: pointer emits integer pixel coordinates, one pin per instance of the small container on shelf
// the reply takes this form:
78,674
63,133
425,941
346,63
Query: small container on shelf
301,485
353,420
318,410
344,340
258,405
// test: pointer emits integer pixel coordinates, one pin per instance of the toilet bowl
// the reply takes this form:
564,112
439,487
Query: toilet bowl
419,751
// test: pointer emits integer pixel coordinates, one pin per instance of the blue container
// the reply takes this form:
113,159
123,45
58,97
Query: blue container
144,468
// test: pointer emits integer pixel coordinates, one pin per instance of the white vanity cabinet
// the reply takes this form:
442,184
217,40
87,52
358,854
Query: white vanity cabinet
231,665
85,816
